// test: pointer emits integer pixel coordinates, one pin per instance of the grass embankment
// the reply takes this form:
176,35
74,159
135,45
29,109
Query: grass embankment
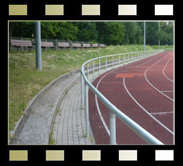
25,81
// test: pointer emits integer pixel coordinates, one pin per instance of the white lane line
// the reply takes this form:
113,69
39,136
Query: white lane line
161,113
153,85
167,91
145,109
96,98
163,71
147,61
99,112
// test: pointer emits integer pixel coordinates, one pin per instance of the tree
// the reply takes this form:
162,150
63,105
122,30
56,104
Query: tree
100,32
166,30
133,33
87,31
21,29
116,33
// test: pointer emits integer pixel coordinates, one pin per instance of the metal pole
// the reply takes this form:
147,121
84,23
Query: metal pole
112,128
144,36
135,56
86,110
132,56
82,97
88,70
113,62
38,45
119,60
99,66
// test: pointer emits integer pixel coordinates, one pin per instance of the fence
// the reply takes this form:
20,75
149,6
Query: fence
55,43
93,68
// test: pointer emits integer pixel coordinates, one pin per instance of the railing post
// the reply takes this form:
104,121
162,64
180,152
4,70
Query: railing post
132,56
135,56
112,128
119,60
99,66
82,93
88,70
106,64
113,62
124,59
86,110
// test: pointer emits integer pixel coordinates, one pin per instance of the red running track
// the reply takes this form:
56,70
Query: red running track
144,91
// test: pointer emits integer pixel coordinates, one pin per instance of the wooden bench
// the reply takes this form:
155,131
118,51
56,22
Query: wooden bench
63,45
95,45
21,43
86,45
76,45
102,45
47,45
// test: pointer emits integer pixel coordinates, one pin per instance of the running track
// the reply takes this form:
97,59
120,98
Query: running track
144,91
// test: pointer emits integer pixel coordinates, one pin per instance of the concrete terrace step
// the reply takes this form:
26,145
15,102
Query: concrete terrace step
69,126
35,126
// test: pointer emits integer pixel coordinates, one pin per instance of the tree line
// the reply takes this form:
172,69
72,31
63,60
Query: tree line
110,33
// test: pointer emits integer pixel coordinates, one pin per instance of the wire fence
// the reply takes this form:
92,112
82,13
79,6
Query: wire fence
55,43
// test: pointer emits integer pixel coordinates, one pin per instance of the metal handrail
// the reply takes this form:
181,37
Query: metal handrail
85,83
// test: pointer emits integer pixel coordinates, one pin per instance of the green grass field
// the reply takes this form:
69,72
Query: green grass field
25,81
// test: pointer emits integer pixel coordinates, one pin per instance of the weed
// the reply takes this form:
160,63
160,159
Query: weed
51,140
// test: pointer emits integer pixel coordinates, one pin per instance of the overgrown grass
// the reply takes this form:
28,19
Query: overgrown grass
25,81
169,47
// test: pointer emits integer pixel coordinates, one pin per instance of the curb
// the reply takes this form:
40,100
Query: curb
56,107
31,105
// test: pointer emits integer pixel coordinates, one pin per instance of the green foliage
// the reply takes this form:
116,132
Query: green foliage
116,33
86,31
110,33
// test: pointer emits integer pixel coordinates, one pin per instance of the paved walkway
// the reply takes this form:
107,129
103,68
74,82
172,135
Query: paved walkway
69,126
36,130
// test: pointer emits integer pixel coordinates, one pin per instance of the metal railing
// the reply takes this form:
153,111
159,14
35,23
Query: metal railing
102,64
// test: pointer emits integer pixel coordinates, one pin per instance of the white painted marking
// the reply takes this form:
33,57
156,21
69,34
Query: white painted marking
145,109
167,91
146,62
162,113
153,85
96,99
163,71
99,112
